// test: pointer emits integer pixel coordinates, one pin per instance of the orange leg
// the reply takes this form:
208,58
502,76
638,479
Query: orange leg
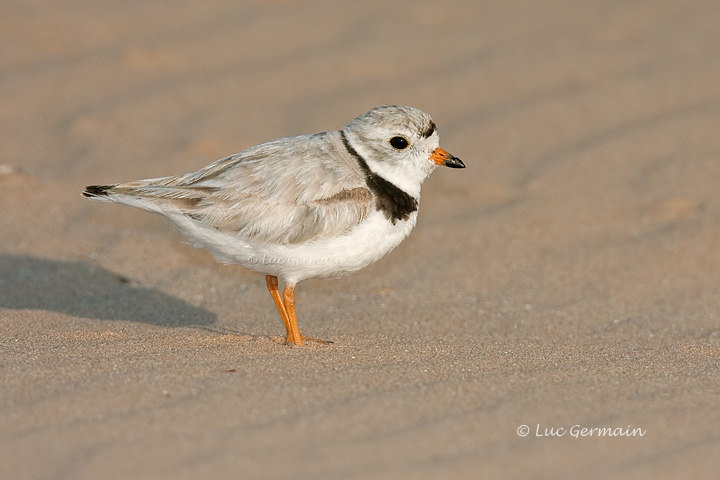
292,325
293,333
272,285
286,307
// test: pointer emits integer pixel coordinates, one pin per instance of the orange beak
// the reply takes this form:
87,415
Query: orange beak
441,157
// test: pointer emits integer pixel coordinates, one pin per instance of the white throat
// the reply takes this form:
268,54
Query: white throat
407,176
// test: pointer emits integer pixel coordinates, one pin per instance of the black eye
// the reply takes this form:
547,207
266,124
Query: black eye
399,143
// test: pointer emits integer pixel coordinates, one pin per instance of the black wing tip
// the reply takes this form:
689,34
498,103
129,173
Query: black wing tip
97,190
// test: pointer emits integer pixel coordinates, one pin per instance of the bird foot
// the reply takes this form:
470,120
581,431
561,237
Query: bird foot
303,338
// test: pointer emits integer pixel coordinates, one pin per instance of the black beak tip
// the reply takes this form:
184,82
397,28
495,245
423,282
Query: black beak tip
454,162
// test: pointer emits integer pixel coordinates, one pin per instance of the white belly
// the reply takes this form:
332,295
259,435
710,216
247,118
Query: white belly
365,244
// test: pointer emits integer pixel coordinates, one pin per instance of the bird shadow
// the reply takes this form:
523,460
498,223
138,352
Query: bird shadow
85,290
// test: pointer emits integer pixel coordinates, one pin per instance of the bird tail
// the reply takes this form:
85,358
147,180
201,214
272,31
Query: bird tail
157,195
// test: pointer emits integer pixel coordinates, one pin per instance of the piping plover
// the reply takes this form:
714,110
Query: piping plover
311,206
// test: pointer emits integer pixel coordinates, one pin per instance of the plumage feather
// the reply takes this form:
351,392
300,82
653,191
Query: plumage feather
288,192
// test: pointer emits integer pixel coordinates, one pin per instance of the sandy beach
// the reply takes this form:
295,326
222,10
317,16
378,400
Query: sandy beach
555,313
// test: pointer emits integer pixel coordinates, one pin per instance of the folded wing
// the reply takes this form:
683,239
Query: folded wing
285,191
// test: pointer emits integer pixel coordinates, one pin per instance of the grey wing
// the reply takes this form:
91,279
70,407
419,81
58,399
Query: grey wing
287,191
